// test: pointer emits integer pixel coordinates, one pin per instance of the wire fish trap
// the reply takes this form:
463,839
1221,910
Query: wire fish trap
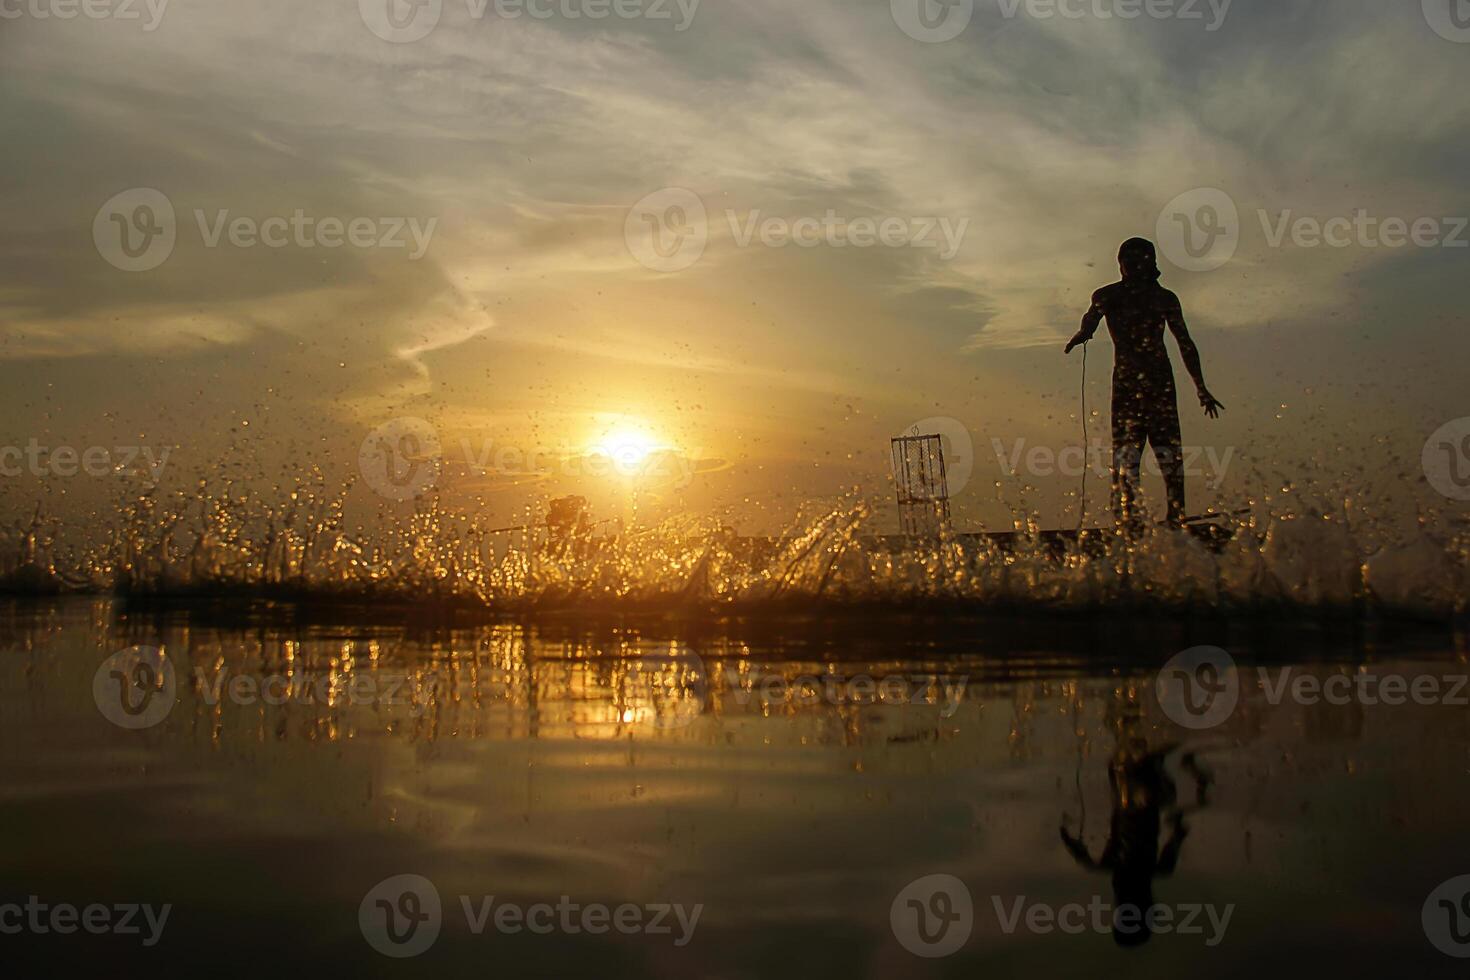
922,485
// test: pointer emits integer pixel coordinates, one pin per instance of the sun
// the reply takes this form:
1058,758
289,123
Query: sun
628,444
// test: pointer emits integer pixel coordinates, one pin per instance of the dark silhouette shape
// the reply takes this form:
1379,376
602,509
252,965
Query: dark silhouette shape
1145,406
1144,795
566,517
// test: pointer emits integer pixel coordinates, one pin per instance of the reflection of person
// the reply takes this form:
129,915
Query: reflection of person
1145,407
1144,796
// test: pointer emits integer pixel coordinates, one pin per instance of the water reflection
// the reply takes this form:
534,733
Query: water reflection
505,681
614,681
1145,801
792,777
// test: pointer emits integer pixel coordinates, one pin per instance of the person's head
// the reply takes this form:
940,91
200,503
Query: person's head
1138,260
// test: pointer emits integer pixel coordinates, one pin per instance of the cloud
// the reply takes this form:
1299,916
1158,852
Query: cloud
529,140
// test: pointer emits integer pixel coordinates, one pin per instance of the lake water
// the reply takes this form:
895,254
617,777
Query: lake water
797,796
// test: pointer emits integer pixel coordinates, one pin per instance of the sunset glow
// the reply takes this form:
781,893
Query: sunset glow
628,444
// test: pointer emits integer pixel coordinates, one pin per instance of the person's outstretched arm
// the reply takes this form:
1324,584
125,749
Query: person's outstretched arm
1169,856
1078,850
1190,353
1090,321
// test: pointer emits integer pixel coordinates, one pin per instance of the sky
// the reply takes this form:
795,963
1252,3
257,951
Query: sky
570,235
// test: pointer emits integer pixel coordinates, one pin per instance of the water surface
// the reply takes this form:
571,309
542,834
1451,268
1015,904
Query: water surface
749,769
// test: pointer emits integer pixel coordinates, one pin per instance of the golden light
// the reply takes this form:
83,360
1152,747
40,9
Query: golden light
628,444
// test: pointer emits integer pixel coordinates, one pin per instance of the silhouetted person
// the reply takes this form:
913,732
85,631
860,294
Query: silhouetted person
1144,794
1145,406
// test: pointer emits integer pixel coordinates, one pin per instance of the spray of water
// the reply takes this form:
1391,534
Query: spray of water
220,543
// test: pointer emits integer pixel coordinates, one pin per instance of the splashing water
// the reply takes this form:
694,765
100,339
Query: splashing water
225,545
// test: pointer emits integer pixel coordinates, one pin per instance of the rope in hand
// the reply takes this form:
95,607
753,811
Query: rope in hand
1082,499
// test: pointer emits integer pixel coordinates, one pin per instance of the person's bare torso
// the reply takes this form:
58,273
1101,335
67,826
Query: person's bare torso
1137,315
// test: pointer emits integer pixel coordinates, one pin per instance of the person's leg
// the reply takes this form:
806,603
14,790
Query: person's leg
1128,438
1164,436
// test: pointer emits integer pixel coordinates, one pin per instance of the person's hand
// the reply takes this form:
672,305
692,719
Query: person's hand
1074,343
1208,402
